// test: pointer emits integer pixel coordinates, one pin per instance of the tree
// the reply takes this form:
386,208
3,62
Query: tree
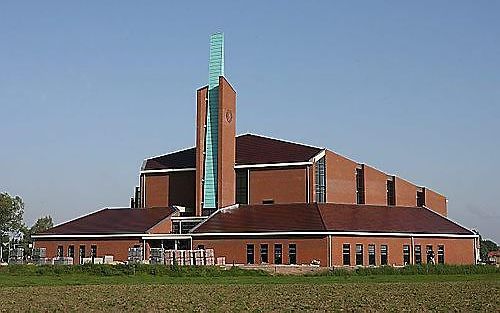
41,225
487,246
11,214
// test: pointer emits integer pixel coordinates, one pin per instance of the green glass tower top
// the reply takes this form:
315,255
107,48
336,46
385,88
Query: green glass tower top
215,69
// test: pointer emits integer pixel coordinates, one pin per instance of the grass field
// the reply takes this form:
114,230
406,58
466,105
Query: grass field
256,292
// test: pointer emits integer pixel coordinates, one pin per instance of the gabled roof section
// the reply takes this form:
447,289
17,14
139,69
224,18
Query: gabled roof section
113,221
329,218
264,218
250,149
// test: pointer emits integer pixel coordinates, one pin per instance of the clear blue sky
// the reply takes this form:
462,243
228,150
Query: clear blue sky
88,90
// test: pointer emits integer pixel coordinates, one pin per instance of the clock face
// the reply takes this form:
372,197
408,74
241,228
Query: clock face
229,116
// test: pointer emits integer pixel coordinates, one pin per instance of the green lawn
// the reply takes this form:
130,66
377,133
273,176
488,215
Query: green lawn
29,290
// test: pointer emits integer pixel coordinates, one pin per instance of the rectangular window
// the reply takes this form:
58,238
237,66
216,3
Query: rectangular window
292,253
59,252
346,254
82,253
406,254
93,251
371,255
250,254
278,254
268,201
359,254
320,183
421,197
429,254
360,185
264,256
242,186
418,254
391,191
441,254
71,251
383,254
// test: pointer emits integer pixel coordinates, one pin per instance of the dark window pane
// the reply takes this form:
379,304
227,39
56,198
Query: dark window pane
418,254
250,254
441,254
371,254
242,186
359,254
346,254
383,254
278,254
406,254
320,180
264,256
292,253
360,185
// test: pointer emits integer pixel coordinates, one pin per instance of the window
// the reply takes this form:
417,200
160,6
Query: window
264,256
360,185
201,247
421,197
383,254
391,191
371,255
418,254
268,201
441,254
406,254
430,254
320,183
250,254
82,253
292,253
242,186
59,252
71,251
346,254
93,251
278,254
359,254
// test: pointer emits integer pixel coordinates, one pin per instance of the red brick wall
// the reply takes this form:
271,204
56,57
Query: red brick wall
156,190
406,193
201,116
226,192
340,179
375,186
457,251
283,185
118,248
436,202
234,250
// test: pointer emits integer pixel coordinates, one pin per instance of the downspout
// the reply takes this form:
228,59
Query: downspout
412,260
307,185
330,261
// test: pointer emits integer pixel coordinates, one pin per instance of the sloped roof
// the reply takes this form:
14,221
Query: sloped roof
112,221
250,149
329,217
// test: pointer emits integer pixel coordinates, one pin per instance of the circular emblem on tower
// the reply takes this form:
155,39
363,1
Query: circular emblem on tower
229,115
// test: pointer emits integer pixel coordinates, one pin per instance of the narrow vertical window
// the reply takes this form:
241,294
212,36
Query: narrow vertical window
59,252
292,253
93,251
359,254
421,197
264,256
429,254
391,191
360,184
441,254
346,254
278,254
242,186
81,253
320,183
71,251
383,254
250,254
406,254
418,254
371,255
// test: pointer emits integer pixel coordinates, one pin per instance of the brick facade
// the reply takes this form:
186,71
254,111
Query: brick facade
282,185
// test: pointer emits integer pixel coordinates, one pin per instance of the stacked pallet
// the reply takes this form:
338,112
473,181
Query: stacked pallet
209,257
135,255
63,261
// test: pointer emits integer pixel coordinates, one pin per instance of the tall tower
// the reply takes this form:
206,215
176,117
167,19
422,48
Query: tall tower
215,135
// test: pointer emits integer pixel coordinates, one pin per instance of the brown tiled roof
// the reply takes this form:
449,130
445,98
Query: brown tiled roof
250,149
328,217
112,221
